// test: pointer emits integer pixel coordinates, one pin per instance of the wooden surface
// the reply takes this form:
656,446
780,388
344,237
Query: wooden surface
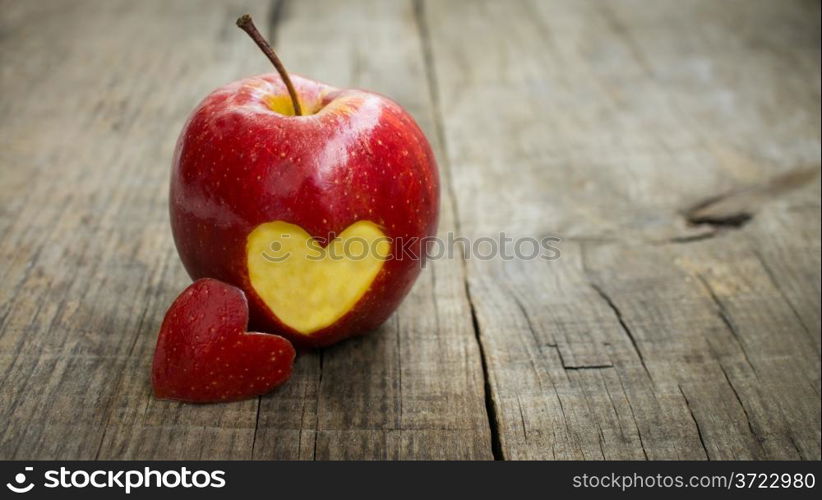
673,146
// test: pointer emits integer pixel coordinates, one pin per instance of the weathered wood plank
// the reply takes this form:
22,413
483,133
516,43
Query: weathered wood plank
602,123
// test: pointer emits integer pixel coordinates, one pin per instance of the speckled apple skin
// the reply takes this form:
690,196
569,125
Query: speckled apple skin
239,164
205,355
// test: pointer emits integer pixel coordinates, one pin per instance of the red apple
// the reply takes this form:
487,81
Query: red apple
268,201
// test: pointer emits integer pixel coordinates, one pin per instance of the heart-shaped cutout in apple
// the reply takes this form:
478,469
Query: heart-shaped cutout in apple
306,285
204,353
260,161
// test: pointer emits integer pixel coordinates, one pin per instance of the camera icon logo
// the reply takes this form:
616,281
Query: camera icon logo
20,478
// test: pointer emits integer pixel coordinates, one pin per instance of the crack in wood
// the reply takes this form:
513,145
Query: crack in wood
528,322
555,345
725,317
399,371
434,305
490,404
736,208
600,439
691,238
587,367
319,392
772,276
696,423
522,418
535,336
302,422
631,409
756,435
433,90
256,426
568,366
733,220
618,313
796,447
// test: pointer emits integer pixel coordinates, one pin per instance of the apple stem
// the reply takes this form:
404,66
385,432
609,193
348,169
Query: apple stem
246,24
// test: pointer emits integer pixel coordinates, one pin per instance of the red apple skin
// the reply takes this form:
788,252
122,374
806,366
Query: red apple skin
239,164
205,355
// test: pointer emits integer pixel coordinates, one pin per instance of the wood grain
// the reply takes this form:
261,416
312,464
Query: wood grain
602,122
673,147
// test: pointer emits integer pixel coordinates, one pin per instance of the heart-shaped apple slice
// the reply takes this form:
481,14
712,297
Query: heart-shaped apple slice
204,353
